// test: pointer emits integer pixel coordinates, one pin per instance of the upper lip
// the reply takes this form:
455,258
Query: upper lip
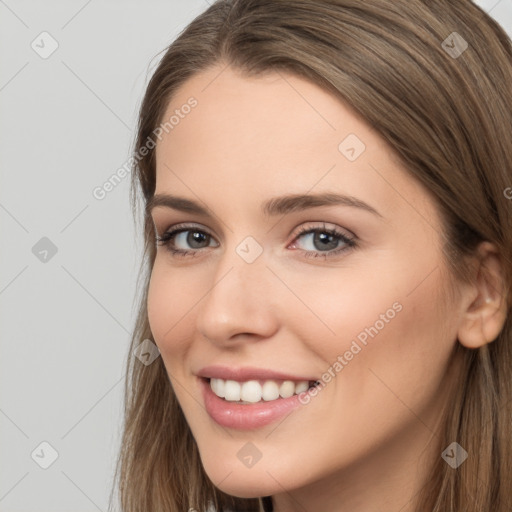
247,373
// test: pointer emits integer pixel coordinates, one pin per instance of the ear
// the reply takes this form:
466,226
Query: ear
485,300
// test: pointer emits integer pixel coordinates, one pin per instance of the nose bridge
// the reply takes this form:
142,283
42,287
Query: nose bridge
238,300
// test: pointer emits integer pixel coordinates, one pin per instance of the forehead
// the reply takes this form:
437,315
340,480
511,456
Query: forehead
271,134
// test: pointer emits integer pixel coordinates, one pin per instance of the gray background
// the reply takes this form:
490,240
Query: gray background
67,123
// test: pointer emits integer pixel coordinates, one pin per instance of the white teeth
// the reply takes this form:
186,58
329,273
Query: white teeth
253,391
217,386
232,390
270,390
301,387
287,389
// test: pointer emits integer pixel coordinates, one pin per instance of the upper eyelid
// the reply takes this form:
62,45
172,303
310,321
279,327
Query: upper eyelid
303,228
184,227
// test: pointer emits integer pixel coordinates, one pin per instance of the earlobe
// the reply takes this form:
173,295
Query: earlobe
485,310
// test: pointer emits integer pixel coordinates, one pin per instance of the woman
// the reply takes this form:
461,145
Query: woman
328,262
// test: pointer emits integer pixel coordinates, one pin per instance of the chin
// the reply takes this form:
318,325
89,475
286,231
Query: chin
248,487
241,482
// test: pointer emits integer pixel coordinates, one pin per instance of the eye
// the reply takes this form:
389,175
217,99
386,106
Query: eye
321,241
188,235
328,242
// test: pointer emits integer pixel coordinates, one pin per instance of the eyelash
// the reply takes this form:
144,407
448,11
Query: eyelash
166,238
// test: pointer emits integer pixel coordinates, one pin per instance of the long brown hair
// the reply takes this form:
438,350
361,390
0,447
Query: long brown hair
448,117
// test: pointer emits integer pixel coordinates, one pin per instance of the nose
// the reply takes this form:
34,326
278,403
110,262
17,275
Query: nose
239,303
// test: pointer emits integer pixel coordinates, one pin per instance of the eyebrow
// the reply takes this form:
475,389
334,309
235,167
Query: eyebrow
272,207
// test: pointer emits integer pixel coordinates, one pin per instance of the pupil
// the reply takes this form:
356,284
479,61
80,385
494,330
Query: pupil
325,238
196,237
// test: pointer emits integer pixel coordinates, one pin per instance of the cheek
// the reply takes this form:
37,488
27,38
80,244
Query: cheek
379,337
170,298
402,363
344,308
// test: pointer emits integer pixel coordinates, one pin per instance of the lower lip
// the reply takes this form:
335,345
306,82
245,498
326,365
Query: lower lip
246,416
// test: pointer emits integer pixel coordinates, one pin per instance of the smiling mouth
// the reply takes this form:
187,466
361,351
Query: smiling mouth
254,391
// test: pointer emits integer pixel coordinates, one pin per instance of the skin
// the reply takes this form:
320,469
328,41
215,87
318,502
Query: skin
365,441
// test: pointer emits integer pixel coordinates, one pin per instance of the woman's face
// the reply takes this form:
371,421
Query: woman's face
364,311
